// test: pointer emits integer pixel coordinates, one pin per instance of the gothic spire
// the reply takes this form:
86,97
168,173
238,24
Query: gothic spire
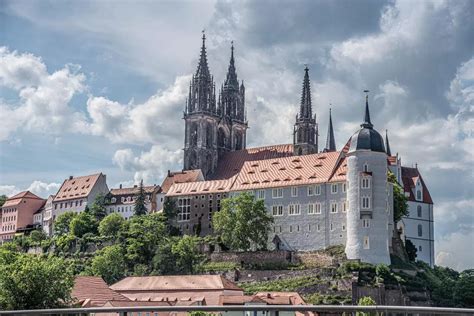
330,141
387,145
305,107
231,79
367,123
203,68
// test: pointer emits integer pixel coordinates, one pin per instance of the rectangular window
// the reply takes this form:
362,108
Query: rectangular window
317,190
314,208
277,193
310,190
334,188
291,229
344,187
277,210
343,227
294,191
344,206
184,209
331,227
365,202
366,223
333,207
261,194
366,242
294,209
365,183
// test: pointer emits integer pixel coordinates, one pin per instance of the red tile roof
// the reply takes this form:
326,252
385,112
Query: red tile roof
16,199
232,162
181,177
79,187
285,171
175,282
409,178
201,187
93,291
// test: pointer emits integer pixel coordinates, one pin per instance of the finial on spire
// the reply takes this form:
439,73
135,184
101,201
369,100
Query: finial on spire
367,123
387,145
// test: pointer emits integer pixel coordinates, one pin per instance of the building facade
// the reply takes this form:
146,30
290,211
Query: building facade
48,216
122,200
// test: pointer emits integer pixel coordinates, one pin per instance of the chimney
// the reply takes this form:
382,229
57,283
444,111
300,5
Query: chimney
70,177
120,186
169,173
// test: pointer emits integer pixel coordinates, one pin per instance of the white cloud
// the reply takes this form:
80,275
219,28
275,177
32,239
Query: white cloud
455,251
43,98
151,166
42,189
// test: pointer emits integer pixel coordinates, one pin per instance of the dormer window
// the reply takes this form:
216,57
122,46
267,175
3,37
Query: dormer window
114,200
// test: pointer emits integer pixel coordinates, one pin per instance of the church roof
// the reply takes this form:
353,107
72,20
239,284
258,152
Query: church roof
231,163
409,178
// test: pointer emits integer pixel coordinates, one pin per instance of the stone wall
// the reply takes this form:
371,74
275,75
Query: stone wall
383,296
253,258
313,259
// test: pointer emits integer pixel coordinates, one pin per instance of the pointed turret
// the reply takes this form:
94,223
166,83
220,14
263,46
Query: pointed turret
330,141
306,130
305,107
231,78
387,145
203,68
367,123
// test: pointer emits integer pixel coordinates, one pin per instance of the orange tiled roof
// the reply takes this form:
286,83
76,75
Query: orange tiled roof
94,290
409,178
201,187
175,282
278,172
16,199
180,177
79,187
133,190
232,162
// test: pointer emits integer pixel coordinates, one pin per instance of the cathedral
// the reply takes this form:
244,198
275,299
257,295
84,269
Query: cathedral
318,197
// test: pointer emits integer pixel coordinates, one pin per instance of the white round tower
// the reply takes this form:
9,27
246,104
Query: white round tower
368,215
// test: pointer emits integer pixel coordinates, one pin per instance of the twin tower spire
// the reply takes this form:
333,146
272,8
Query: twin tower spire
305,133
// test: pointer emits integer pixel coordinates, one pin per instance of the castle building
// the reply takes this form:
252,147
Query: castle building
122,200
317,198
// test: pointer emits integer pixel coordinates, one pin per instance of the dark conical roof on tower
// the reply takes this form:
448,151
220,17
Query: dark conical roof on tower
330,141
387,145
367,123
203,68
305,107
231,78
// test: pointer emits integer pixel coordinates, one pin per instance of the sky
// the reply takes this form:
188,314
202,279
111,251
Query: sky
100,86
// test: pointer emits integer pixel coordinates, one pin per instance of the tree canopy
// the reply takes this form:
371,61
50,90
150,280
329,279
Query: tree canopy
111,225
243,223
400,205
140,207
62,223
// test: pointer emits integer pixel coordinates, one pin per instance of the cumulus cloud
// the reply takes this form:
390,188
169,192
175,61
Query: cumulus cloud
453,251
151,165
43,98
40,188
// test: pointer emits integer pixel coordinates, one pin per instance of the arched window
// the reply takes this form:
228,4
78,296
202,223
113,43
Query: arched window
420,230
418,194
366,167
418,209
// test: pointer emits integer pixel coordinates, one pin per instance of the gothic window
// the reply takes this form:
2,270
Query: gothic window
418,194
209,136
366,167
194,134
418,209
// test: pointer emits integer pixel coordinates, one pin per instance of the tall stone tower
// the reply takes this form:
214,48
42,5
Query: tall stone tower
201,119
232,128
305,132
368,216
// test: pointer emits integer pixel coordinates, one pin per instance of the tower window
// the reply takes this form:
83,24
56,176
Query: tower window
365,202
331,227
420,230
366,242
366,223
365,183
420,249
366,167
418,209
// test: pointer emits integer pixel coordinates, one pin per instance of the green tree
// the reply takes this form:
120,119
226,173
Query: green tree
400,204
411,250
34,282
187,253
243,223
97,209
464,289
3,199
111,225
62,223
365,301
38,235
140,208
82,224
108,263
170,212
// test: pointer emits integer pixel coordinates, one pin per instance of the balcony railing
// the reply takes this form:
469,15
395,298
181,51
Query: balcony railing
320,309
